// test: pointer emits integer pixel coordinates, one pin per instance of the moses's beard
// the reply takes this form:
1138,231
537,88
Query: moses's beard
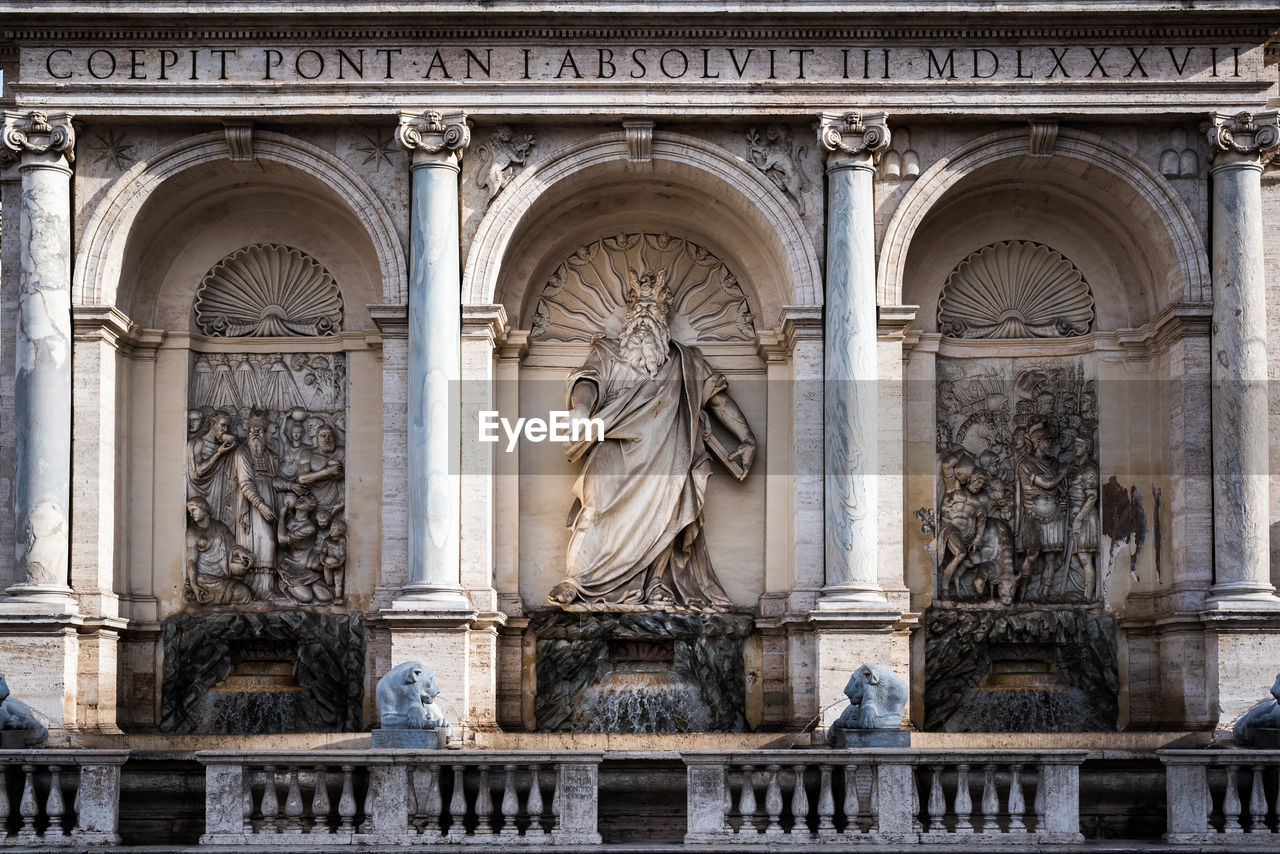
645,338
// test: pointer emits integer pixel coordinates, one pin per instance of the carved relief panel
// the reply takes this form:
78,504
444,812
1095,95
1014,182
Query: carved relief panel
266,437
1018,511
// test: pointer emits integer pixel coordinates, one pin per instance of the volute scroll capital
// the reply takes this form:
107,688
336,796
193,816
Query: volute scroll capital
1243,136
36,133
433,136
852,136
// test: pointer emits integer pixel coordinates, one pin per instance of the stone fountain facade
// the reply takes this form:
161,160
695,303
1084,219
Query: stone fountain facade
968,321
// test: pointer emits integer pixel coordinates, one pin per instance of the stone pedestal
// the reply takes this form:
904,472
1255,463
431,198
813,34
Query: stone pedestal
442,641
39,656
408,739
855,739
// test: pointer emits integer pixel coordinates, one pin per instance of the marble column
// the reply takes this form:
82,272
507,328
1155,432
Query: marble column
1239,362
435,327
45,145
852,142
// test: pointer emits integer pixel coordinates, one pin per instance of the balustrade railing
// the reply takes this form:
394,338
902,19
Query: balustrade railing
884,796
60,797
1229,798
385,797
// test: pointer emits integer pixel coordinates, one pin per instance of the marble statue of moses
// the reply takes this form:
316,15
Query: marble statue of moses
637,538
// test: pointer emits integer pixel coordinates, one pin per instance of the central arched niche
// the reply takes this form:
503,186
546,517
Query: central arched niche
683,201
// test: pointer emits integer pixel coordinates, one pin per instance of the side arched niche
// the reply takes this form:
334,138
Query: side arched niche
1132,240
690,191
170,221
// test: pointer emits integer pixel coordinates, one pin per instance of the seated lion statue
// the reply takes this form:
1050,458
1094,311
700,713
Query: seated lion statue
406,698
877,697
17,715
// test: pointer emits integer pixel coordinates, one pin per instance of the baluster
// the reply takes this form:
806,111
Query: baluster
1016,805
412,802
990,803
963,803
826,802
27,807
747,802
852,807
874,798
1039,801
533,805
347,802
773,802
555,797
293,803
510,802
431,809
246,799
458,805
270,804
1231,803
1258,804
484,804
937,804
799,803
320,802
54,806
4,803
916,826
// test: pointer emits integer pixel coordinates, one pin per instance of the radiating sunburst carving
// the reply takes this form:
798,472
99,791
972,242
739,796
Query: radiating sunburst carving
582,299
1015,289
268,290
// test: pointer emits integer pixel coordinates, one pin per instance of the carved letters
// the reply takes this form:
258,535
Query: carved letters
266,479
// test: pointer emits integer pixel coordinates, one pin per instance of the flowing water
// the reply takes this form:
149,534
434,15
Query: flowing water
643,698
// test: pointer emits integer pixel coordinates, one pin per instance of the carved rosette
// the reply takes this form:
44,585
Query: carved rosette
1244,133
853,136
268,290
38,133
584,297
434,136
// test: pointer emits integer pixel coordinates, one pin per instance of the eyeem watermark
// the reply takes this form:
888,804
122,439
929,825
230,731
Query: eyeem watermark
560,426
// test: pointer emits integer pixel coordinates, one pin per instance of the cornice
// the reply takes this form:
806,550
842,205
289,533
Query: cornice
42,33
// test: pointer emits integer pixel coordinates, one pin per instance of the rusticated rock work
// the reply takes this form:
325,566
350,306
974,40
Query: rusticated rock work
639,672
1036,670
292,671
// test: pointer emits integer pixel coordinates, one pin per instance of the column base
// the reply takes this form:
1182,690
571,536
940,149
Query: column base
42,598
846,640
440,639
1242,648
850,597
1242,597
420,596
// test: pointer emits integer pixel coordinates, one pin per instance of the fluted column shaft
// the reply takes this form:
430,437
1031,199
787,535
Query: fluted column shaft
1239,360
42,386
435,327
852,142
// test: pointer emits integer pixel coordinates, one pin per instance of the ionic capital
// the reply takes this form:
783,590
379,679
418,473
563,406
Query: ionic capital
434,137
1243,138
853,138
39,138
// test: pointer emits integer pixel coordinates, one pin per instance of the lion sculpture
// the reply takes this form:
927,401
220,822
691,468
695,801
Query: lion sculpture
1264,715
877,697
406,698
17,715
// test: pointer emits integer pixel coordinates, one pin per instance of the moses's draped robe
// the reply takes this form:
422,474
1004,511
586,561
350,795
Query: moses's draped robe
637,520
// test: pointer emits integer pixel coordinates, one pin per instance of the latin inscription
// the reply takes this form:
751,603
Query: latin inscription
625,63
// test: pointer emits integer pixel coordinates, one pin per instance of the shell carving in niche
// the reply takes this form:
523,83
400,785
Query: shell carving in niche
268,290
1015,289
582,300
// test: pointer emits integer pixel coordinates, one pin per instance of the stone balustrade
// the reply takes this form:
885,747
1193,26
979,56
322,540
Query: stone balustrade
386,797
60,797
1226,798
884,796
